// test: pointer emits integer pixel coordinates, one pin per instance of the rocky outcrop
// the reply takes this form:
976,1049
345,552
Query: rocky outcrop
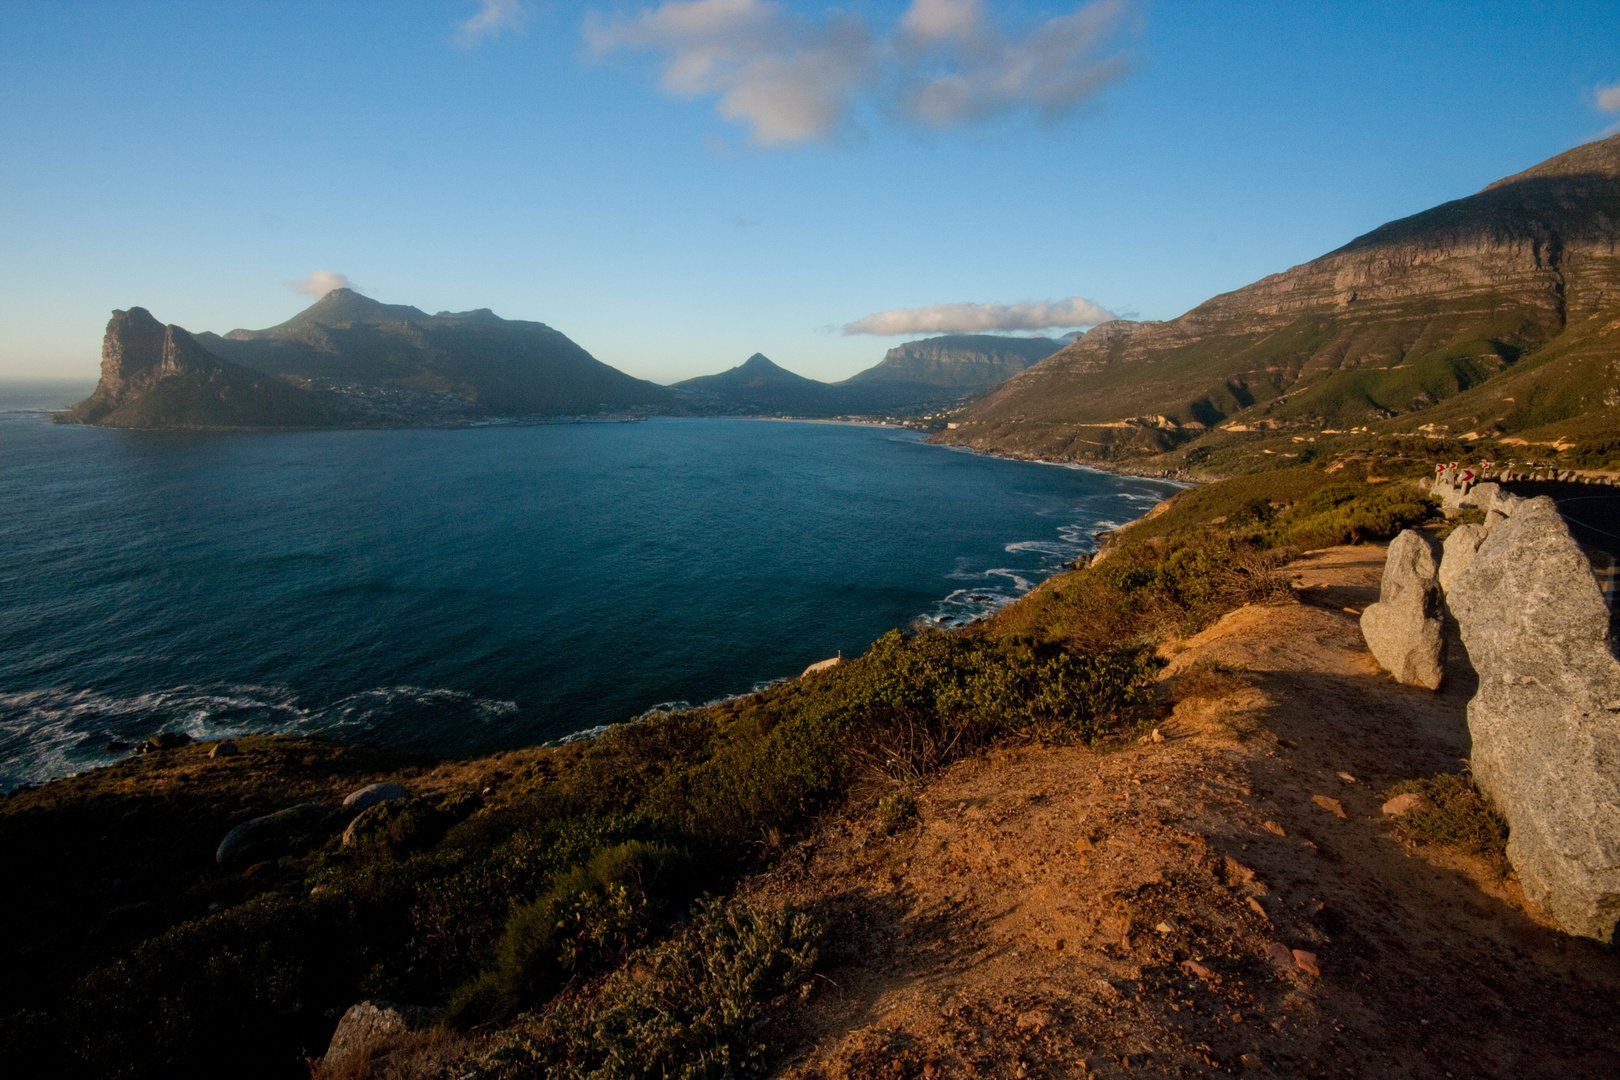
1403,629
1459,551
1545,723
156,376
267,828
367,1027
371,795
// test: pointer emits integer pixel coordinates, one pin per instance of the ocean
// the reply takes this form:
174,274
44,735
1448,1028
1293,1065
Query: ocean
458,591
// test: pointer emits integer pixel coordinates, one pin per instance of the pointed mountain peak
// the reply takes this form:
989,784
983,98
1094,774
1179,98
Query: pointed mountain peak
759,362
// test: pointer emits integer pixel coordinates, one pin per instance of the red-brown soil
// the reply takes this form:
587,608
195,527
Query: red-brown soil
1065,912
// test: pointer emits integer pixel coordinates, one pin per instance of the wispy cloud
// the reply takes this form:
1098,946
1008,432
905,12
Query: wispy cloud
494,18
966,318
789,79
321,282
1608,98
793,80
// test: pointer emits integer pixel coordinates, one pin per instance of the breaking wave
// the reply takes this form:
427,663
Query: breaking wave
59,732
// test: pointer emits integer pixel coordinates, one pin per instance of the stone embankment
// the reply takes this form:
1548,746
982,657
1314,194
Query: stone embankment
1545,722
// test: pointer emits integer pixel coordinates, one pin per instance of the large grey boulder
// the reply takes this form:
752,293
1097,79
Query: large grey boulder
1403,629
1546,720
372,794
1459,551
367,1026
267,827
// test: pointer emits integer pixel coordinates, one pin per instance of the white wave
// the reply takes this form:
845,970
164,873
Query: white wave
58,732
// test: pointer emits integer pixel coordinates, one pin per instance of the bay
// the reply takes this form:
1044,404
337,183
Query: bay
459,591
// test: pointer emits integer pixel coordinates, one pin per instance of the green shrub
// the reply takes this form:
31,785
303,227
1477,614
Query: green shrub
692,1008
896,809
590,918
1350,514
1462,818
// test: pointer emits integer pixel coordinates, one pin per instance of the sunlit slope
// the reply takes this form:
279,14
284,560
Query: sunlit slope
1390,330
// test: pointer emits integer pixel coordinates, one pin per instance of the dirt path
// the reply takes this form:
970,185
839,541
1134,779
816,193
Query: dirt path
1058,912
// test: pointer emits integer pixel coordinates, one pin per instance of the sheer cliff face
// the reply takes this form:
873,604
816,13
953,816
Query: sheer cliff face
138,352
1406,317
157,376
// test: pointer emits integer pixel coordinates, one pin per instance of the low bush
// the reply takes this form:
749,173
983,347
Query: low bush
1350,514
691,1008
1462,818
590,918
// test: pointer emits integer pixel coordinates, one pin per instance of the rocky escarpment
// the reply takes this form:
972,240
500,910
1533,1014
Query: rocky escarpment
157,376
964,362
1418,312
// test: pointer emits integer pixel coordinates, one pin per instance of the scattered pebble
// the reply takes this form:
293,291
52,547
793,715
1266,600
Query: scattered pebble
1168,926
224,748
1273,827
1406,804
1347,778
1330,805
1280,956
1259,909
1193,967
1306,961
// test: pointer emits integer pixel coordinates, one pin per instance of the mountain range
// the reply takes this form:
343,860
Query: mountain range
919,374
1493,316
348,360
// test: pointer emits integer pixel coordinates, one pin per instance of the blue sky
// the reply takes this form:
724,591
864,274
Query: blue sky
678,188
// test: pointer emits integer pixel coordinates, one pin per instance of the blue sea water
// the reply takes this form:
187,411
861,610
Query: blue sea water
459,591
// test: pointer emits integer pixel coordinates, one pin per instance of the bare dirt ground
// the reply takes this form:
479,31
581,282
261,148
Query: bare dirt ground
1198,906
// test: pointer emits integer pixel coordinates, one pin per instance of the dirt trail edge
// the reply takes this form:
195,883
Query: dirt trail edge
1198,906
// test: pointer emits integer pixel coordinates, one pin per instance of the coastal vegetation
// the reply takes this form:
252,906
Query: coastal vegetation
501,881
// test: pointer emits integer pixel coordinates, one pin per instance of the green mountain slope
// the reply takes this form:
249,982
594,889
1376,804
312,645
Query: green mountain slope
156,376
1416,323
498,367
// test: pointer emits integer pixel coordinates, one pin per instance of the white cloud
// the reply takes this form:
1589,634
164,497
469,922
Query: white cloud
789,80
964,70
494,18
795,80
1608,98
966,318
319,283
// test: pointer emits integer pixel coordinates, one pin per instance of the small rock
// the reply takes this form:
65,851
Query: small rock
1258,908
372,794
1306,962
1408,803
223,748
1346,777
166,740
1280,956
1330,805
1273,828
1193,967
1105,988
1168,926
1035,1018
1158,736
